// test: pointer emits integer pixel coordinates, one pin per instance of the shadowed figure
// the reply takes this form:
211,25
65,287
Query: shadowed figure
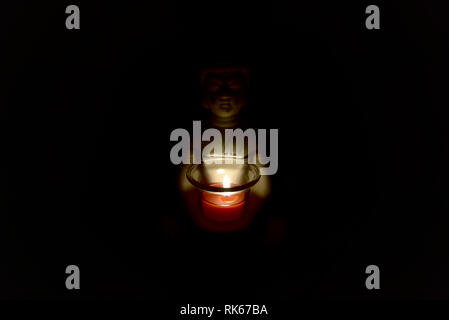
224,93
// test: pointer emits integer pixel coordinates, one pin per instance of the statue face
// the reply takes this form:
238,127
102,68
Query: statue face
225,93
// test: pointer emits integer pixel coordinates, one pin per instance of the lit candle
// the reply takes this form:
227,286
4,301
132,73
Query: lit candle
223,206
223,192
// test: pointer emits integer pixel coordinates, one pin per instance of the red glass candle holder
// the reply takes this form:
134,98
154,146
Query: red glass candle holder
224,187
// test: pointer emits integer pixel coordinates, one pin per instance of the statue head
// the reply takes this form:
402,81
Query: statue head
225,90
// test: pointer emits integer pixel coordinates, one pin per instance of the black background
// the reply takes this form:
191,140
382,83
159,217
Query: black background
363,150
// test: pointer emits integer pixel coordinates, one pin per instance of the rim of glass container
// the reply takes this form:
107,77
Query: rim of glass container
210,188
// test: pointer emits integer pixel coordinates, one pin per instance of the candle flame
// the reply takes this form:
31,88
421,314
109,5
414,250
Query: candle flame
226,181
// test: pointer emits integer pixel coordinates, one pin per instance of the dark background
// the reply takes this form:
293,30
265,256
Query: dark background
363,150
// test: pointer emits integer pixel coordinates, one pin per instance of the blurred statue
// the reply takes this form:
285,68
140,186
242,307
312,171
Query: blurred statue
225,91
